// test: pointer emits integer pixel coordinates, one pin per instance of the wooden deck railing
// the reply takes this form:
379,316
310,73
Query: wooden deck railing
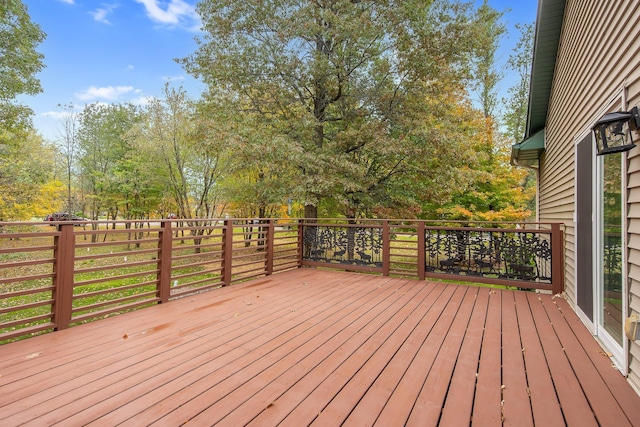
55,275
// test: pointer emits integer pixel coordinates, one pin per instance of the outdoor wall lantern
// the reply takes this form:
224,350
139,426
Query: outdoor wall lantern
614,131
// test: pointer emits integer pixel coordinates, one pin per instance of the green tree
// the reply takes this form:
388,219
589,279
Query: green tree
497,191
27,185
515,118
519,62
107,161
185,147
19,64
489,30
259,171
68,152
343,83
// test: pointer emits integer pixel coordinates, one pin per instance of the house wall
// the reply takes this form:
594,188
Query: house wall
598,61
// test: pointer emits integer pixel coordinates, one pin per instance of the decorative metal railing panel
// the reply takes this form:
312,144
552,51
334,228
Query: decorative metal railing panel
348,245
513,255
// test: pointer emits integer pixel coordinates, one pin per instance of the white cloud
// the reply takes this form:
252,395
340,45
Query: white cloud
67,1
57,115
65,113
142,100
101,13
110,93
175,13
130,67
172,78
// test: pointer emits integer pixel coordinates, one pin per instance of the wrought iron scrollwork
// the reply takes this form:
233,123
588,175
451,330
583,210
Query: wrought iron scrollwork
524,255
343,245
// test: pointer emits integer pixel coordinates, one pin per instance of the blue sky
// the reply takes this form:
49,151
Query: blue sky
123,51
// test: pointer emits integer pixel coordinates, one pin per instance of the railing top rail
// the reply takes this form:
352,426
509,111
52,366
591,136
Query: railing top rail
326,224
403,221
427,221
443,226
496,230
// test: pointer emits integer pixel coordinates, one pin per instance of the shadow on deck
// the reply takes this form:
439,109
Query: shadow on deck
324,348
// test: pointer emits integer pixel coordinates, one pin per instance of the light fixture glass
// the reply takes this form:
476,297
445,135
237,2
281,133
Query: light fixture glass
614,131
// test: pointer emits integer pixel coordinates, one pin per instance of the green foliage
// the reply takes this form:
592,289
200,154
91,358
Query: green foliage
27,186
258,172
335,108
19,63
116,177
489,30
520,63
184,146
497,191
359,91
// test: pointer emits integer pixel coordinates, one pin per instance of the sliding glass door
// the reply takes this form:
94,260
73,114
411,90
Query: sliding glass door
611,253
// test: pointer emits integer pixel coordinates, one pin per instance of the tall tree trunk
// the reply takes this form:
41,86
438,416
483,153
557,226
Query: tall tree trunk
311,211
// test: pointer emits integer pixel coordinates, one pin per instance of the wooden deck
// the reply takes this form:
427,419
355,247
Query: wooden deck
323,348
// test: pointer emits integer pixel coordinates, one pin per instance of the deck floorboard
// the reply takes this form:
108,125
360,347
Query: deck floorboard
314,347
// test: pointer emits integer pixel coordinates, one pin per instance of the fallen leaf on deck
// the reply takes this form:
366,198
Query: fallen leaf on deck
33,355
125,336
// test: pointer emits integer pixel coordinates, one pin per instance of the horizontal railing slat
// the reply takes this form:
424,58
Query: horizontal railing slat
37,304
21,332
111,290
114,278
27,278
115,266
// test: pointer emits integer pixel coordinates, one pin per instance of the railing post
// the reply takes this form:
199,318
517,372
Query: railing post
270,254
300,243
164,261
386,248
227,251
63,268
422,247
557,258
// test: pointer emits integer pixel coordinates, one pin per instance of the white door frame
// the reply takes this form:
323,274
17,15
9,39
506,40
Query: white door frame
619,354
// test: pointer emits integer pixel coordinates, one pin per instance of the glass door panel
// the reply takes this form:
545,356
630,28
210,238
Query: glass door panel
612,255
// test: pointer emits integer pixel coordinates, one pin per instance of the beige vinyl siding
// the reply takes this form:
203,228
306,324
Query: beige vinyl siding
594,62
633,218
